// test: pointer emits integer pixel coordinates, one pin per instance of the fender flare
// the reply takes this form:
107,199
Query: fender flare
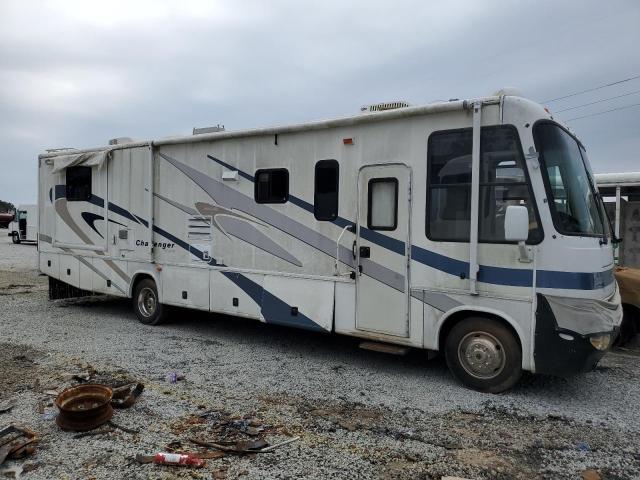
147,273
527,350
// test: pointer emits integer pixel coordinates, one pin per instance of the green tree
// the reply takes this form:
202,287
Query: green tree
6,206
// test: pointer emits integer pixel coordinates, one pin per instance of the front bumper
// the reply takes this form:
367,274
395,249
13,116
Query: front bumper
564,329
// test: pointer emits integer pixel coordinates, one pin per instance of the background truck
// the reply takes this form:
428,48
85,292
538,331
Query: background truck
24,227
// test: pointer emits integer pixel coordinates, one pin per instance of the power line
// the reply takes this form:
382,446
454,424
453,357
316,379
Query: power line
598,101
605,111
592,89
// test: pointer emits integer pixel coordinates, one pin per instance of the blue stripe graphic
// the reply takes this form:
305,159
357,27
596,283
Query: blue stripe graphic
516,277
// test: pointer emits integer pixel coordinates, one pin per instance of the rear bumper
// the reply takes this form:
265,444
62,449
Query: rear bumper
563,351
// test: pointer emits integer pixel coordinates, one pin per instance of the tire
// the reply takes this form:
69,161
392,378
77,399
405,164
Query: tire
629,327
15,238
484,355
145,303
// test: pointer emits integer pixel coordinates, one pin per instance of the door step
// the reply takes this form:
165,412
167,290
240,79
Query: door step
384,348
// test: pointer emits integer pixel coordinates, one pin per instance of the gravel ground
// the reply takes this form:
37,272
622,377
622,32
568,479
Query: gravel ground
358,414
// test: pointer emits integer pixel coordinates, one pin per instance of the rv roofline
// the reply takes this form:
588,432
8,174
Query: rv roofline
622,179
406,112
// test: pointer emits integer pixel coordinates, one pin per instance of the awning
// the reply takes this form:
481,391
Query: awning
87,159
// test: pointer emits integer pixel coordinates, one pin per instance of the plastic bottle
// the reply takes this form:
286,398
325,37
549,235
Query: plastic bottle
185,459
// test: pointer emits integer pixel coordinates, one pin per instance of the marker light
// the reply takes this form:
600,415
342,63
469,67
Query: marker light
347,141
601,342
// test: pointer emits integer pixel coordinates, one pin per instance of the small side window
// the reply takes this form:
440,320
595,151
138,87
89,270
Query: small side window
325,201
383,204
78,184
272,185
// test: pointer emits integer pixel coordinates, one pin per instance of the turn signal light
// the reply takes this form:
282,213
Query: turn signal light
601,342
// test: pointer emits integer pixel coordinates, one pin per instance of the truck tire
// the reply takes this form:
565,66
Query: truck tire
484,355
15,238
145,303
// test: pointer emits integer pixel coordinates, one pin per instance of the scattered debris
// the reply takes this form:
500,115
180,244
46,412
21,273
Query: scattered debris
246,446
144,459
278,445
93,432
126,396
84,407
591,475
174,377
7,406
16,442
583,447
242,446
15,471
178,459
120,427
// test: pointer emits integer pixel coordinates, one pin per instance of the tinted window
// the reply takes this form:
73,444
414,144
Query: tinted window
272,186
325,201
502,183
78,183
383,204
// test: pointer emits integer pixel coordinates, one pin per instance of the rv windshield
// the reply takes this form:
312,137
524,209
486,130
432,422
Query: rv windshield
574,204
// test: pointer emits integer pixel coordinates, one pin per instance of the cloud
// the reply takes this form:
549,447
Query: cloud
76,73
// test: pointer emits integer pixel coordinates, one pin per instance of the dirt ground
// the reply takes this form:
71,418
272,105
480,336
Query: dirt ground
356,414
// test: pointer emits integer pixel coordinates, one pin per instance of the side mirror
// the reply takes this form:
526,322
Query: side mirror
516,223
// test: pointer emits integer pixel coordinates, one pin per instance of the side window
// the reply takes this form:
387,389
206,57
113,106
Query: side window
449,185
272,185
502,183
78,184
383,204
325,197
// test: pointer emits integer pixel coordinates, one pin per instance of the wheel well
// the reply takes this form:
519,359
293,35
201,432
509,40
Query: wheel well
138,278
457,317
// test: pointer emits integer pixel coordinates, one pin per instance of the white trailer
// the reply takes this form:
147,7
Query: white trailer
468,227
24,227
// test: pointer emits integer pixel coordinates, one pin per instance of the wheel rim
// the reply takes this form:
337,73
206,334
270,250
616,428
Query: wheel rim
147,302
481,355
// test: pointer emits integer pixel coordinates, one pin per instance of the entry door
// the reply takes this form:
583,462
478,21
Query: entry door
382,249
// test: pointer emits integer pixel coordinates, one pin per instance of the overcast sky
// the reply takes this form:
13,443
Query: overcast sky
76,73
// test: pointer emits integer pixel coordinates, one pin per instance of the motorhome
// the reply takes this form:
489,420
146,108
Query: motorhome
24,227
469,227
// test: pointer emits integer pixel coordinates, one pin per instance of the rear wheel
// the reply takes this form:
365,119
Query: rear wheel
484,355
145,303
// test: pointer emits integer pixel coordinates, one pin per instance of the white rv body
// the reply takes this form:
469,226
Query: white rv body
24,227
183,212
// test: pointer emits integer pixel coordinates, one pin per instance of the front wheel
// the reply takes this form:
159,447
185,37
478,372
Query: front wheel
15,238
145,303
484,355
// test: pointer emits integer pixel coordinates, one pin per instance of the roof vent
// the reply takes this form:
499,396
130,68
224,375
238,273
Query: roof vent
63,149
216,129
508,91
120,140
381,107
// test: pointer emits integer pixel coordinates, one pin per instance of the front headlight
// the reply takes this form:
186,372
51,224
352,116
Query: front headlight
601,342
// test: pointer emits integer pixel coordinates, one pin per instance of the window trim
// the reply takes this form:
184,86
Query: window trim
66,184
547,185
255,188
329,161
394,180
525,168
